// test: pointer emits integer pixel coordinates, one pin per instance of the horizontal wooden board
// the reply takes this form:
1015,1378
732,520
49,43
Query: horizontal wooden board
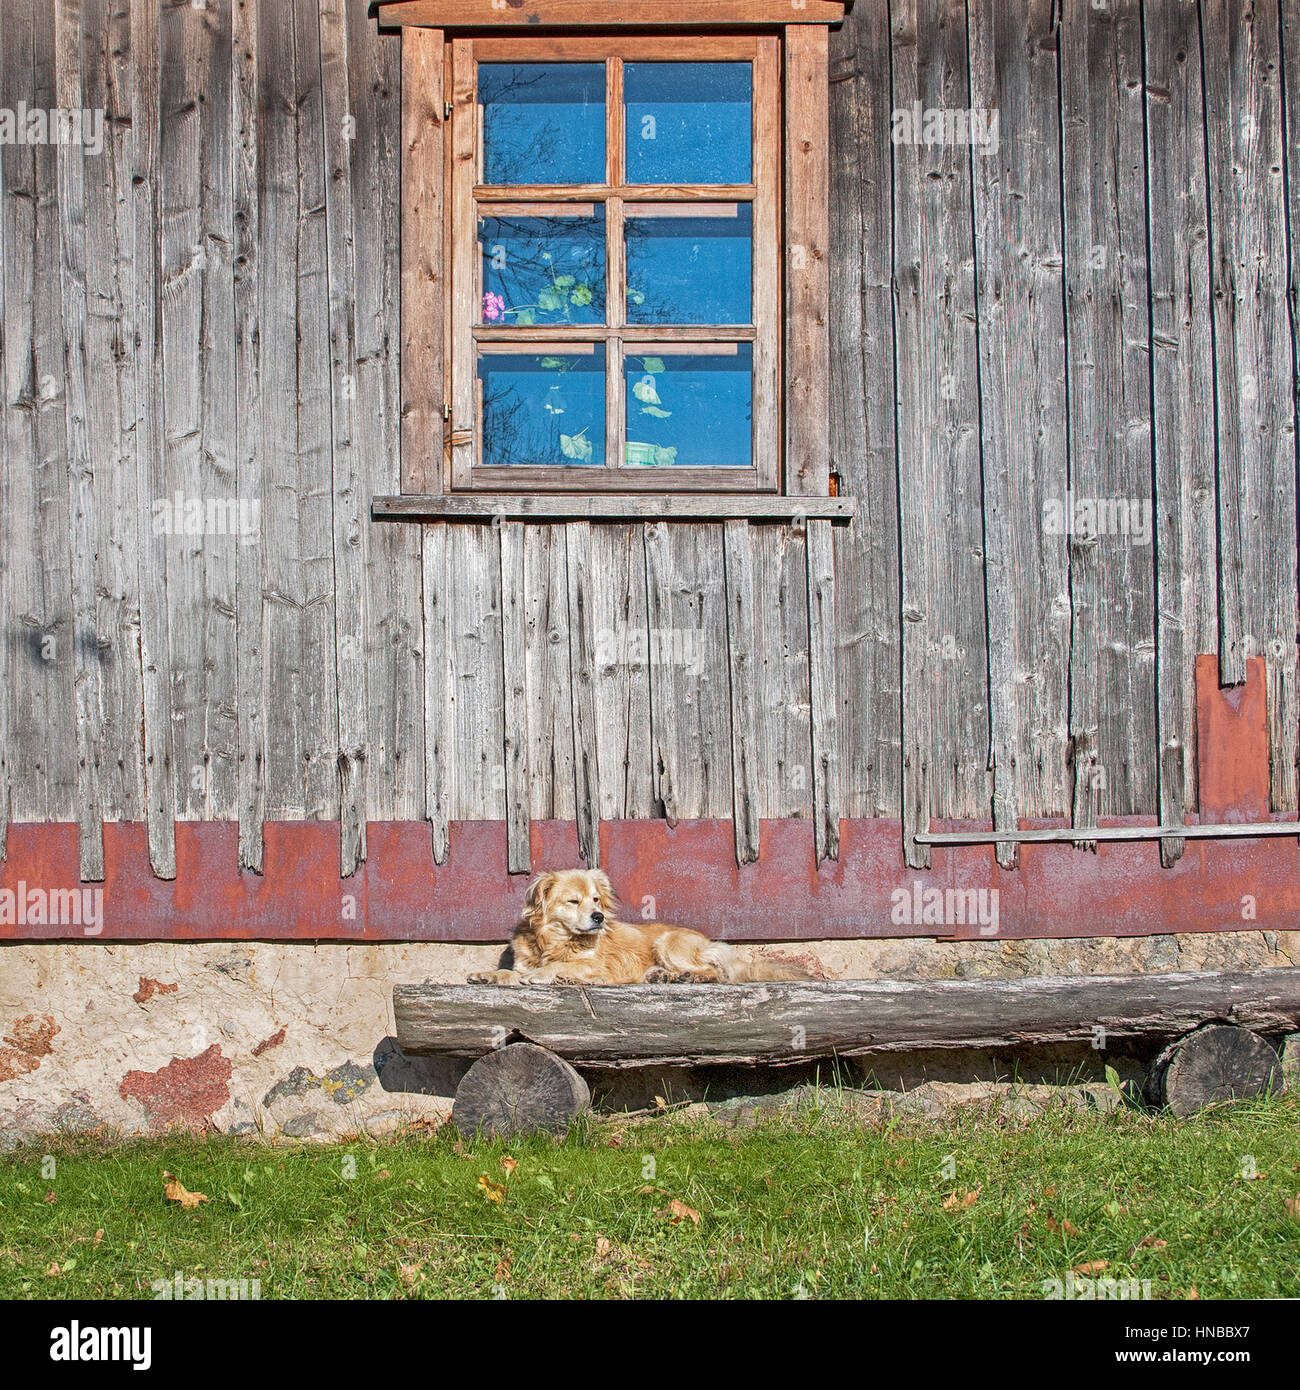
632,1025
484,506
602,14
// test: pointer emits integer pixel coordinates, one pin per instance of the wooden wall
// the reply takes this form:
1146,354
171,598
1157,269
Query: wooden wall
209,307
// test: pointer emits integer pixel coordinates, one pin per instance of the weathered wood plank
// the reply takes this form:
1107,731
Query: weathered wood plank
621,673
807,394
150,458
548,693
439,694
601,14
945,714
514,673
351,528
689,704
186,550
685,506
395,779
473,607
828,804
423,283
251,430
782,673
582,684
1254,364
807,277
1182,403
1112,653
636,1025
298,651
195,235
741,660
6,550
109,248
862,403
1017,210
80,476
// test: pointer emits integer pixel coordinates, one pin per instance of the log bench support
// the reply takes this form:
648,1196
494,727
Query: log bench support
530,1040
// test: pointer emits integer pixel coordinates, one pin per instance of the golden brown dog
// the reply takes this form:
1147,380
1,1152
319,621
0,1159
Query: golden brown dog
569,935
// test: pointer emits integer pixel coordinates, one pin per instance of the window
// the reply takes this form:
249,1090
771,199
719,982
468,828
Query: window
615,264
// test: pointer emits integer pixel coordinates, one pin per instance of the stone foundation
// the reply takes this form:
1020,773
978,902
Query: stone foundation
296,1040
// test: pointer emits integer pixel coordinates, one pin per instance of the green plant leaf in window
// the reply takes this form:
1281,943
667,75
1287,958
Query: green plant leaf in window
653,365
581,295
644,390
574,446
655,411
551,364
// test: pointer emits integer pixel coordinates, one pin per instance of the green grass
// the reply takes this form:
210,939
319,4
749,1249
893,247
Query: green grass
810,1205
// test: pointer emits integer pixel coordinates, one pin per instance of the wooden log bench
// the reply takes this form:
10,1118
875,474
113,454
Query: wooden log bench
529,1041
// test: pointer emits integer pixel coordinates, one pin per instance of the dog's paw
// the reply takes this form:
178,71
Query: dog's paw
688,977
656,975
502,978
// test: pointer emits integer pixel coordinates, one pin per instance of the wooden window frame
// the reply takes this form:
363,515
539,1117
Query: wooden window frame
466,336
797,459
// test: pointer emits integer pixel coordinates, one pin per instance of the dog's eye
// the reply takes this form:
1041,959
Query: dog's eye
575,901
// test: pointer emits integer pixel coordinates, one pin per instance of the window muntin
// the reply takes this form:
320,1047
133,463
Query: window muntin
670,255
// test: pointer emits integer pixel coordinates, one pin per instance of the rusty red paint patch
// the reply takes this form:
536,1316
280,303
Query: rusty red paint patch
268,1043
1232,744
29,1041
148,988
186,1092
687,872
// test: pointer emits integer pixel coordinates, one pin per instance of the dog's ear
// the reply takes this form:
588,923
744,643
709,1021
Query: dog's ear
535,901
605,889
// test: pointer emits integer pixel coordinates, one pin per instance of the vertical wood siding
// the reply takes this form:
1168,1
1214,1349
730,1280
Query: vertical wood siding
1103,305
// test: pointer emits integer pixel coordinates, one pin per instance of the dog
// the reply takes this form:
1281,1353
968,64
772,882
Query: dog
569,935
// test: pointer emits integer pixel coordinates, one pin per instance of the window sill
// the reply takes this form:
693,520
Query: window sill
613,507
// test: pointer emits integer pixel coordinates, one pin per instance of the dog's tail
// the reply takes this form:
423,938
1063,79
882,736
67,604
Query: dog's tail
736,969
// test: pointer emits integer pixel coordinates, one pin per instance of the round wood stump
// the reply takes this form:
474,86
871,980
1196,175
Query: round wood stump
1215,1063
518,1089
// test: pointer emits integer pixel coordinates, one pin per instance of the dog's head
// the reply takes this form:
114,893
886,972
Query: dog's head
578,902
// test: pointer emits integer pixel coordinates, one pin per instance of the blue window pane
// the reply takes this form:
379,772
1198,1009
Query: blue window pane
542,269
689,122
683,269
690,410
543,122
543,408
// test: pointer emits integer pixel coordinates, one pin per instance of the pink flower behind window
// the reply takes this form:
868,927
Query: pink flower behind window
494,307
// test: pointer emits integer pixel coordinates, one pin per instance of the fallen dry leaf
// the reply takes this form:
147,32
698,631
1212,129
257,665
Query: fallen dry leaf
383,1175
1292,1205
1151,1243
174,1191
603,1248
97,1237
493,1191
53,1272
503,1267
410,1274
962,1201
51,1198
509,1164
680,1212
1092,1267
1066,1227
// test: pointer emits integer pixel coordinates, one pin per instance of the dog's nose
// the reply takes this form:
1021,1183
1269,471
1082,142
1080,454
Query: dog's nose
598,916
